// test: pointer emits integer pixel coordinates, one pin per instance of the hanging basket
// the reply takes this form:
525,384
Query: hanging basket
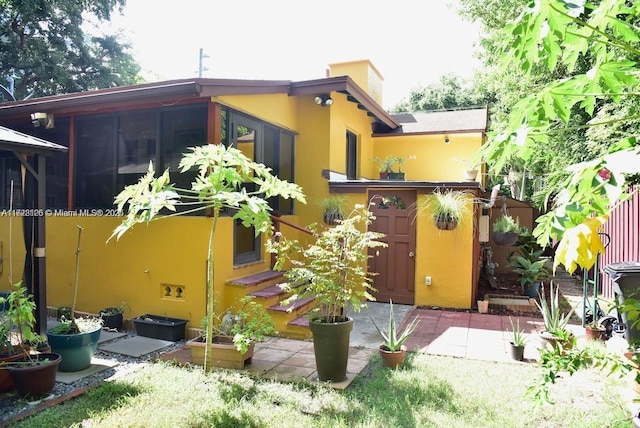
505,239
445,222
332,217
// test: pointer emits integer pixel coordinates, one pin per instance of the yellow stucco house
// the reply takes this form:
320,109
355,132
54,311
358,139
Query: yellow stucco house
323,134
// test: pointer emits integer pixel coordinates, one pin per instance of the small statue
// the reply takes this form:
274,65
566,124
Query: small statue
227,323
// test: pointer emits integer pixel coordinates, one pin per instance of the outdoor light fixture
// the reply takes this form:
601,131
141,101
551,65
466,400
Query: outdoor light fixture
323,100
446,139
42,119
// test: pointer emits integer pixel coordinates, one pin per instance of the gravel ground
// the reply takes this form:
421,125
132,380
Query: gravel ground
13,405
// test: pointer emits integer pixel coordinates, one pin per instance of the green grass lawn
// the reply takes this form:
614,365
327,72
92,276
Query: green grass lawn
429,391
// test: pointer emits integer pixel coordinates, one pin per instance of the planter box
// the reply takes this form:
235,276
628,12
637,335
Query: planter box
222,353
159,327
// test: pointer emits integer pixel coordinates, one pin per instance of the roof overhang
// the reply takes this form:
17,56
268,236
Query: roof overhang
193,89
15,141
361,186
354,93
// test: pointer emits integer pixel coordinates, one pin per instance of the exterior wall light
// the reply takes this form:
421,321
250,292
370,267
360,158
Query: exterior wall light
446,139
323,100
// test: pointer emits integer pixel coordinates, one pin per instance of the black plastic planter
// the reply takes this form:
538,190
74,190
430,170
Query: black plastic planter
111,319
159,327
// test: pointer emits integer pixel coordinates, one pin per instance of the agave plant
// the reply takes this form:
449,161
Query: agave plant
393,339
555,322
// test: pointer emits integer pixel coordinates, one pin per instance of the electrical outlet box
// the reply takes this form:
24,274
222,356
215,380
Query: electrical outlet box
427,280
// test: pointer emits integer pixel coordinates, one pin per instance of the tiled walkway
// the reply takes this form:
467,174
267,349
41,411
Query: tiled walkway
440,332
470,335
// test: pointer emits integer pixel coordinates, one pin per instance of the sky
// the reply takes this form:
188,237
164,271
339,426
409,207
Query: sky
411,42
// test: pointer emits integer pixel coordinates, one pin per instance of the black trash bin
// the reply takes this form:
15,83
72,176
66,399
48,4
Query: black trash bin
626,284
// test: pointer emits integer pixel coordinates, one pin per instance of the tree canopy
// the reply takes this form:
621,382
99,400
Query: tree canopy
46,52
448,93
580,60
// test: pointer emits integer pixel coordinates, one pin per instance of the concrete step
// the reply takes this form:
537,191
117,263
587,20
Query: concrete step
289,318
256,279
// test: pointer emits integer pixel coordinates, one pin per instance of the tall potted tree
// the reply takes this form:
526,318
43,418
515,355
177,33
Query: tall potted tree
223,173
75,339
333,267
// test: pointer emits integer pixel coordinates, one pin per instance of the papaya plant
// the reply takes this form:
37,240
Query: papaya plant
220,184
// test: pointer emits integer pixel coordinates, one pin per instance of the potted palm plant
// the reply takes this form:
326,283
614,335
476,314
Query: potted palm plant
220,185
393,351
506,230
75,339
449,207
334,272
235,333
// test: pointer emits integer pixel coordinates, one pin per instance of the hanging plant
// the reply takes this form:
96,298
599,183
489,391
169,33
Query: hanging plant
333,209
506,230
449,207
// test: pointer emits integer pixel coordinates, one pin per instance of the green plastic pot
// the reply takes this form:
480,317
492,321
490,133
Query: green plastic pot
76,350
331,348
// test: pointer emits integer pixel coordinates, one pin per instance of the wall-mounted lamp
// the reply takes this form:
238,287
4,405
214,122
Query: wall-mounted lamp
323,100
42,119
446,139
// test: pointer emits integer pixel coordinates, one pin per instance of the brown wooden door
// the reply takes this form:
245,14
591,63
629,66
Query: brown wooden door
395,265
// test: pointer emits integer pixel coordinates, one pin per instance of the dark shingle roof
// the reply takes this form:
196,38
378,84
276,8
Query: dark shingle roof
444,121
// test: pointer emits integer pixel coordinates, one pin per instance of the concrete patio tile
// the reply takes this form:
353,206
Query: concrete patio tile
286,372
260,367
355,365
482,337
458,316
448,350
360,353
273,355
288,344
335,385
301,360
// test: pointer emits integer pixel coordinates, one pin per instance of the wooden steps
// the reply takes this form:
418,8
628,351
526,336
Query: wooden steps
256,279
265,288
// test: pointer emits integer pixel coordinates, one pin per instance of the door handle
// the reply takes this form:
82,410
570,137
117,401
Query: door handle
411,254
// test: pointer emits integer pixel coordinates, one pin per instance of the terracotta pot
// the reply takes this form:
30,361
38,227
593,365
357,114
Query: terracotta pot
392,359
483,306
595,333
